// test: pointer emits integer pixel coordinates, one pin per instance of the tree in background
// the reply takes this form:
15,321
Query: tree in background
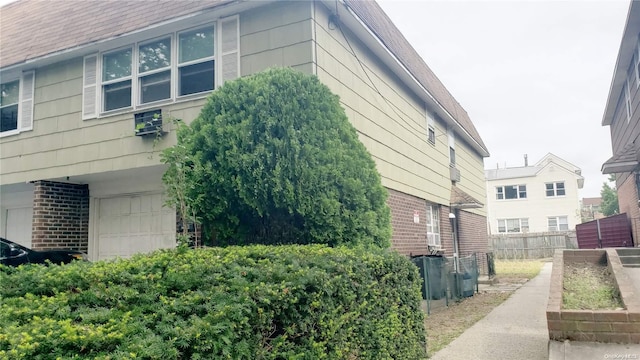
276,161
609,205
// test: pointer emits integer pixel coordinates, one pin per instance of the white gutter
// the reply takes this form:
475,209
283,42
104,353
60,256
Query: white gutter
359,27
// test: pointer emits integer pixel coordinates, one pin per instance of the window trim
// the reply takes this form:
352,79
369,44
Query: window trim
433,217
502,190
431,127
627,96
21,101
213,58
557,220
232,59
520,225
555,189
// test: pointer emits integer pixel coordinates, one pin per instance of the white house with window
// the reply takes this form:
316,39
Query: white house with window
539,198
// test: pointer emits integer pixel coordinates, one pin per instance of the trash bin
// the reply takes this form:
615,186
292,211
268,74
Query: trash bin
467,285
431,267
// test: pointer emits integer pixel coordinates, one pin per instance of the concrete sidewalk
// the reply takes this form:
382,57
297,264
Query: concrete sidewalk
517,329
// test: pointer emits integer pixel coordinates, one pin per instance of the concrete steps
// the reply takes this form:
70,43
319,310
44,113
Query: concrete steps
629,257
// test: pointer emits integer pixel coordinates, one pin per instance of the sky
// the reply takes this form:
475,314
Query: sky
533,76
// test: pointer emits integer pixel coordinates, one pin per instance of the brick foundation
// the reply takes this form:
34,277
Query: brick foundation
60,216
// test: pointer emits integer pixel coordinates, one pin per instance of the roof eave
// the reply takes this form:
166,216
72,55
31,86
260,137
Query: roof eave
625,52
360,28
619,167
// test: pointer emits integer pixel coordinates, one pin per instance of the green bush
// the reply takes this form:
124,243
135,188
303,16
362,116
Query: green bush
273,156
254,302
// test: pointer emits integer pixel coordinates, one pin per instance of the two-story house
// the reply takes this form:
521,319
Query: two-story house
75,172
622,115
538,198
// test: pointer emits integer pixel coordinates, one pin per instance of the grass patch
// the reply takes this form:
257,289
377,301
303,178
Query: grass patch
589,287
447,324
518,269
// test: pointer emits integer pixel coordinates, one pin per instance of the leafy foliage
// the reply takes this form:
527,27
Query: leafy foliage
279,162
609,205
254,302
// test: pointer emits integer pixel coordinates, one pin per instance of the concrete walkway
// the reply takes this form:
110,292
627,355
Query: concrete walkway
517,329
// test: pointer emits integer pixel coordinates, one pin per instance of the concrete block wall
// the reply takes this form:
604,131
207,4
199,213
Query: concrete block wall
60,216
609,326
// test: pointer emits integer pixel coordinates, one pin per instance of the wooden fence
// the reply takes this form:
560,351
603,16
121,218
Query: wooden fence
531,245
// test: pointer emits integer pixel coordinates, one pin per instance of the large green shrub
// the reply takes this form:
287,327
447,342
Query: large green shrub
272,158
254,302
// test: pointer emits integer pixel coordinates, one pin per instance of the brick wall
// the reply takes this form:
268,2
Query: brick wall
628,201
472,232
409,238
60,216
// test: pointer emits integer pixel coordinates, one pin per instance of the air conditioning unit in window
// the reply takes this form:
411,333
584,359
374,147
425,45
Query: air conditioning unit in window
148,122
454,174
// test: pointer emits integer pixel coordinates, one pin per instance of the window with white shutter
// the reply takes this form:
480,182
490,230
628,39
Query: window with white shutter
16,104
184,64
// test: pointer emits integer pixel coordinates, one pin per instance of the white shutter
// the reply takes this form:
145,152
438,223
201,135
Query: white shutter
90,87
25,110
230,48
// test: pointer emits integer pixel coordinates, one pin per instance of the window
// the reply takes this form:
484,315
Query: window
452,147
16,104
10,93
452,157
513,225
195,61
631,73
431,128
555,189
154,71
433,225
627,97
160,70
511,192
558,223
116,80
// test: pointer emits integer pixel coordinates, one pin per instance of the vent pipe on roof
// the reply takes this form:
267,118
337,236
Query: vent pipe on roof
526,160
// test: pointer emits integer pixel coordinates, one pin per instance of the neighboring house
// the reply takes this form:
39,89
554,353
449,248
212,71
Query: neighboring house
590,209
622,115
74,174
538,198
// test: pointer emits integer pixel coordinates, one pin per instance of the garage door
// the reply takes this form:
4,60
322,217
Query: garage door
134,224
19,225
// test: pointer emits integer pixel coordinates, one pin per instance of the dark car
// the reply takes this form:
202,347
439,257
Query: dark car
15,254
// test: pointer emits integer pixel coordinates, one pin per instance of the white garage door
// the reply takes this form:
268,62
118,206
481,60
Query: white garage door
19,225
134,224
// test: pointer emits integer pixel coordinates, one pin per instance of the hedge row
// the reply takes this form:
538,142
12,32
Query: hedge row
256,302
